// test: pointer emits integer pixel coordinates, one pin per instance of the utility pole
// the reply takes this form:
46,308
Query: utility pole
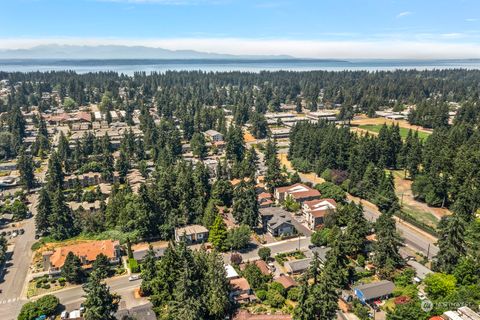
428,250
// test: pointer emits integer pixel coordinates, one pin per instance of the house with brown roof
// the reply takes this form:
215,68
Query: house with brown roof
315,211
240,291
262,265
87,252
298,192
286,281
264,200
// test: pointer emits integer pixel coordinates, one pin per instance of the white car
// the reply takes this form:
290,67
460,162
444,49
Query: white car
134,277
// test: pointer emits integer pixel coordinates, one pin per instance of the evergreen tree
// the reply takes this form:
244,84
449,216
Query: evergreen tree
197,144
451,244
99,303
218,234
217,288
101,266
245,204
235,147
149,271
385,198
222,192
72,269
259,127
26,167
55,173
44,209
386,256
123,165
210,214
61,219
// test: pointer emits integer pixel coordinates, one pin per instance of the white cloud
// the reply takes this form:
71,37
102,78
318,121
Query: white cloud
351,49
404,14
471,19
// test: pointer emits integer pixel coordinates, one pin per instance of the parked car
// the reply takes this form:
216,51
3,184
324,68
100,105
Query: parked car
134,277
64,315
21,231
14,234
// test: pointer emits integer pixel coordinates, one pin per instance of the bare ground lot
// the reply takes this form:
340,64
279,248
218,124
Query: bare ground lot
420,210
364,120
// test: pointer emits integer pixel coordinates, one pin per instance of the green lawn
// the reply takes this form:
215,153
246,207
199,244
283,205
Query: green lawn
421,216
403,131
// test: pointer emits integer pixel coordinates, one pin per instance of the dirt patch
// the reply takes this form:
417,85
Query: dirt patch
364,120
403,189
248,137
307,176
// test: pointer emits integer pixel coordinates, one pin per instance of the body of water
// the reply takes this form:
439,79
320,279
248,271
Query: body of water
129,67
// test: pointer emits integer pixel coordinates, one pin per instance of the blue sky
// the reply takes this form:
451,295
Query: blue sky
307,28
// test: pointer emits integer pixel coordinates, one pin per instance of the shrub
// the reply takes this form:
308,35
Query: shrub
293,294
236,258
361,260
275,299
38,284
46,286
261,294
264,253
277,287
133,265
320,238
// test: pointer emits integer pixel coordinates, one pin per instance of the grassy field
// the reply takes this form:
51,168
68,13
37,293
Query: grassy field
403,131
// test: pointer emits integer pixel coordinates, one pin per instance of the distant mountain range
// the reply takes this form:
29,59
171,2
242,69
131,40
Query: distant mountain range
75,52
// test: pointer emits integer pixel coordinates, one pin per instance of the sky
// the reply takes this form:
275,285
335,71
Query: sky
422,29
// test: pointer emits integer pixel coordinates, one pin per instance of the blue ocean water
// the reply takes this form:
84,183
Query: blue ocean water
129,67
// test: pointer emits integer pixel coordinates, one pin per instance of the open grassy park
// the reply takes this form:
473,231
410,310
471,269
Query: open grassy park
403,131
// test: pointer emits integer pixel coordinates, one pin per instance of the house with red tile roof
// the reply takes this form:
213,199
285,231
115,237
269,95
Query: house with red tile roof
87,252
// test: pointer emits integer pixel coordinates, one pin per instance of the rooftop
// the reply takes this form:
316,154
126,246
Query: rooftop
376,289
191,229
89,250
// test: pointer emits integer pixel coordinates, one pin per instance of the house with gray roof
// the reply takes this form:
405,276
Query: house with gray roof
280,225
297,266
374,291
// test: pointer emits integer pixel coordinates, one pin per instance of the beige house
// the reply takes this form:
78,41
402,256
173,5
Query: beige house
193,233
315,211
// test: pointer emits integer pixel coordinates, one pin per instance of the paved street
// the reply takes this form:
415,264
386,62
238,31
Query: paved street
413,237
72,297
16,269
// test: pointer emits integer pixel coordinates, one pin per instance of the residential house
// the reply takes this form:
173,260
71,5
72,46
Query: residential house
264,200
299,192
90,207
262,265
193,233
297,266
87,252
241,291
213,135
286,281
374,291
280,225
420,270
315,211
